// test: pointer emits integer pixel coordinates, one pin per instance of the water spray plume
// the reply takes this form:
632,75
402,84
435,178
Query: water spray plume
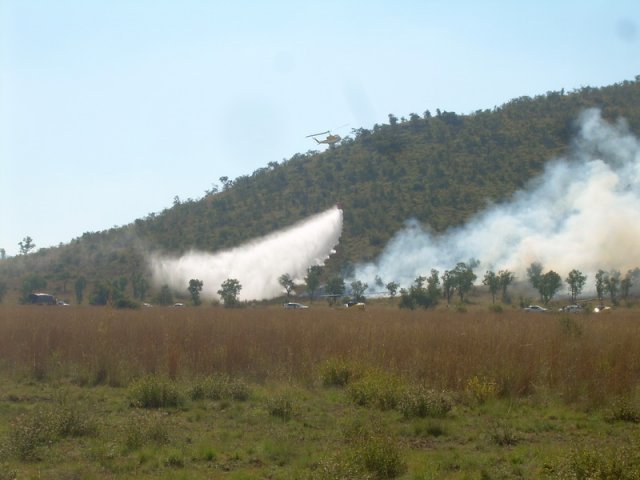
257,265
581,213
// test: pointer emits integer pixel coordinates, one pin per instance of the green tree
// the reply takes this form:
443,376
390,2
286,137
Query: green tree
102,293
448,285
492,281
534,274
63,275
287,283
548,285
229,291
626,283
505,278
195,287
420,296
3,254
357,290
312,280
612,286
433,287
464,278
79,286
140,286
392,288
31,284
26,245
165,297
576,281
335,288
601,284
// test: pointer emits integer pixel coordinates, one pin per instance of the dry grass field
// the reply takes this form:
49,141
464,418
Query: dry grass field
379,393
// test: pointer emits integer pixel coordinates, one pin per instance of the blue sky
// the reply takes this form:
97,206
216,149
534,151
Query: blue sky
110,109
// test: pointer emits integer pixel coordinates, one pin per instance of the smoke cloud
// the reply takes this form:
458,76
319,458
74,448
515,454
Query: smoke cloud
258,264
581,213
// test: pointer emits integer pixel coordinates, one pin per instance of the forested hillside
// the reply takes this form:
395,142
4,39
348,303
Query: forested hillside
437,167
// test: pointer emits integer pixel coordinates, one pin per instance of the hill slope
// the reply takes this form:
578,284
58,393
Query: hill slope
439,168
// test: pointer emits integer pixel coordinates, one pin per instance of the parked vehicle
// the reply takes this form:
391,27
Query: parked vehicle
292,305
41,299
572,309
535,308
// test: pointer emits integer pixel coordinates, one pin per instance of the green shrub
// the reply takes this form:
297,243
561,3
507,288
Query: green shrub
43,426
144,428
495,308
376,389
154,392
598,463
280,406
380,456
336,373
220,387
502,434
126,303
623,410
421,402
27,432
480,389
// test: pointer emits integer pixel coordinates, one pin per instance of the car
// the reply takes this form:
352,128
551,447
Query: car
292,305
572,309
355,305
535,308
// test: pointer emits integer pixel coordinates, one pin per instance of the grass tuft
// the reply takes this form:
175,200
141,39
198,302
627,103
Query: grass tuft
418,401
154,392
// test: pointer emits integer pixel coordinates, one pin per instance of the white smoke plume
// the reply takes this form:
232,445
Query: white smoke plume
583,212
258,264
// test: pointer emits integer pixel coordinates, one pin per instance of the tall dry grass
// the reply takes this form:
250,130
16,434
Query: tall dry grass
592,357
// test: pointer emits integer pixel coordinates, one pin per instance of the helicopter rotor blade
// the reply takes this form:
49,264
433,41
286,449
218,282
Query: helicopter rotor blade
316,134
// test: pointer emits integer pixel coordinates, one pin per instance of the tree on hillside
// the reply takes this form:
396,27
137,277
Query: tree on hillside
415,296
313,280
392,288
448,285
140,286
195,287
229,291
463,279
505,278
26,245
31,284
335,288
601,284
548,285
62,274
79,287
433,287
286,282
165,297
492,281
534,274
102,293
626,283
612,286
357,290
576,281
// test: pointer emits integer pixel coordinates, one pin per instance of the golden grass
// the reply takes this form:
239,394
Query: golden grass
578,357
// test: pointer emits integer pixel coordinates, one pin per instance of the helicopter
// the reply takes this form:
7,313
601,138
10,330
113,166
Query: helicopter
330,139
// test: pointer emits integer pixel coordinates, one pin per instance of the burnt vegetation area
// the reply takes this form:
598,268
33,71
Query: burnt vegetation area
437,167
